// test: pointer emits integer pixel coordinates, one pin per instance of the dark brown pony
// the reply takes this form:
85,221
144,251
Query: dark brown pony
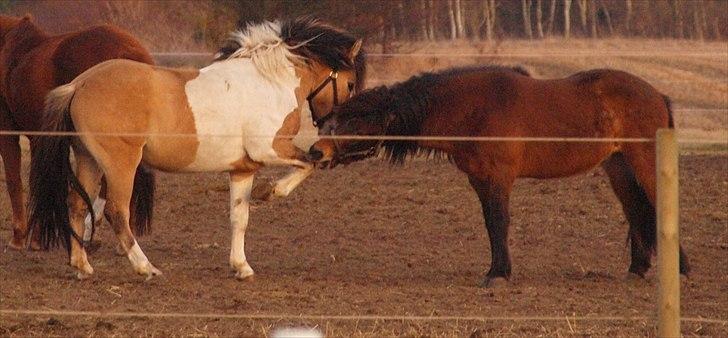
31,64
505,102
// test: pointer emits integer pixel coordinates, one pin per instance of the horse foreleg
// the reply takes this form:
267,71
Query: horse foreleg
493,197
241,184
284,186
10,153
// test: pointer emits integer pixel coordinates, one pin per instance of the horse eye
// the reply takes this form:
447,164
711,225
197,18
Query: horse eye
351,86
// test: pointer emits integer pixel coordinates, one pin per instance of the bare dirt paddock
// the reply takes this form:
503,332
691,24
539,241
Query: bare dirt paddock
371,240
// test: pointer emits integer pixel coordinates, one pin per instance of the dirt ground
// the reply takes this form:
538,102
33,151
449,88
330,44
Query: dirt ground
370,239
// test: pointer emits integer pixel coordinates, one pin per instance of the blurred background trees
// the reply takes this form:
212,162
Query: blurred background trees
382,22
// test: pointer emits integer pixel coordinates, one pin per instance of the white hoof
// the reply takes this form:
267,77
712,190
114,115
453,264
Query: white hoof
85,272
149,271
247,276
243,271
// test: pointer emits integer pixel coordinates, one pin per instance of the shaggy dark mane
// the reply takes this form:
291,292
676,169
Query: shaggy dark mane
315,40
408,103
324,43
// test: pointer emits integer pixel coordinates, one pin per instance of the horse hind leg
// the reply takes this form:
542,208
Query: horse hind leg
119,172
638,206
88,174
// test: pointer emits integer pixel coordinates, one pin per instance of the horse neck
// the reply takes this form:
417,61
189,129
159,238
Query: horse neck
411,108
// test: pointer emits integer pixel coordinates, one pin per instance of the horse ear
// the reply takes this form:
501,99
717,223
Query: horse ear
355,49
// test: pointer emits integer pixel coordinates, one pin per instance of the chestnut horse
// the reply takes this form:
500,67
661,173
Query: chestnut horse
504,102
31,64
236,115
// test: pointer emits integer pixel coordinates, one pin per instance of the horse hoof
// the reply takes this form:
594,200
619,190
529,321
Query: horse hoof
245,273
153,272
34,246
494,283
262,191
85,272
16,244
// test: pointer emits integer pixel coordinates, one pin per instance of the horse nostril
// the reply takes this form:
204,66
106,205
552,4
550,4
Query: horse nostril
314,154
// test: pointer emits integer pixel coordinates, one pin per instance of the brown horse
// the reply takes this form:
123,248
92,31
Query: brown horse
31,64
236,115
504,102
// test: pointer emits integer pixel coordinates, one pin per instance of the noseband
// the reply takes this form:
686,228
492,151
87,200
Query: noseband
361,154
321,119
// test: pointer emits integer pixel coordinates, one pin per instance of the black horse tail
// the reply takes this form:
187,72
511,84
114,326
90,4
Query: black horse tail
668,104
51,173
142,200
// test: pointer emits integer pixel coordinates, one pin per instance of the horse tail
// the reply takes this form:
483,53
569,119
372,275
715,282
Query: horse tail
142,200
668,104
51,173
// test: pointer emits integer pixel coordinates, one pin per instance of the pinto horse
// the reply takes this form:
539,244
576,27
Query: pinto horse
31,64
236,115
505,102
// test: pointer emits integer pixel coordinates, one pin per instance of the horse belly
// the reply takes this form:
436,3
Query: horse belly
563,159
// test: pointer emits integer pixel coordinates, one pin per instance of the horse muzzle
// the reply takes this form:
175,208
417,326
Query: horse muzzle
321,151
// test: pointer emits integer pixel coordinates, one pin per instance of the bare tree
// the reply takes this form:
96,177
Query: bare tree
489,12
526,9
607,17
628,16
583,10
678,15
539,19
552,17
459,20
593,19
451,16
567,18
432,20
423,20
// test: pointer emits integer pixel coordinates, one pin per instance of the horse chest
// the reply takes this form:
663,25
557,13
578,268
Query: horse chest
236,113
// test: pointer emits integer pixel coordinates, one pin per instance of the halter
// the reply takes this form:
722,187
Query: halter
362,153
331,78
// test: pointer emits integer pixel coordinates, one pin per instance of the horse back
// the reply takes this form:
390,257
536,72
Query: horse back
79,51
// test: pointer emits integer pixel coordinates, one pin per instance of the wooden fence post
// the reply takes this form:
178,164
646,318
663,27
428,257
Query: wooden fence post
668,215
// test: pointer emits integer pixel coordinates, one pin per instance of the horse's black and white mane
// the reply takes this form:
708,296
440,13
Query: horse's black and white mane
407,104
298,40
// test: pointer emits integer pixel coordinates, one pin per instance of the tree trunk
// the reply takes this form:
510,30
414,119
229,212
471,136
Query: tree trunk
593,18
628,17
567,18
552,17
489,16
539,19
423,20
526,6
459,24
451,17
432,21
583,10
697,20
679,24
607,17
